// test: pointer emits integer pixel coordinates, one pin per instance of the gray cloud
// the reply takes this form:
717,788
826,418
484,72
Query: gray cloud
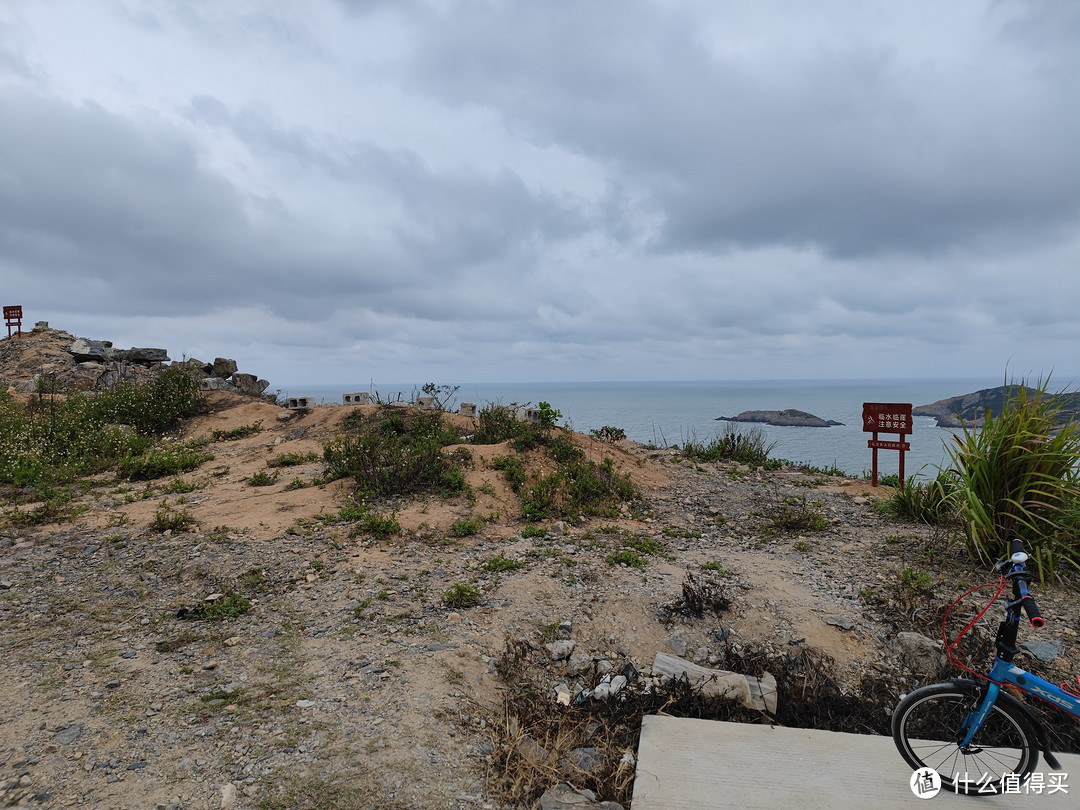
553,190
855,151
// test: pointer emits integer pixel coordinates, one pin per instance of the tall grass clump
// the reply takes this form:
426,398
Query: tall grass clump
1016,476
930,502
750,447
396,451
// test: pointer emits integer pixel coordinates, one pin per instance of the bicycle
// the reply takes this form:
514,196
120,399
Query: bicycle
977,736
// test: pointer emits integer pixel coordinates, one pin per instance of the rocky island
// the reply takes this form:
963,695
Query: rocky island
786,418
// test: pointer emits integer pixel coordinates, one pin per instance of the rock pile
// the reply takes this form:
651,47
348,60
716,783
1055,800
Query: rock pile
62,362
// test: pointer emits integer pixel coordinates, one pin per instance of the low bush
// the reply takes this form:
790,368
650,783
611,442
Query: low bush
466,527
262,479
168,519
396,451
461,595
241,432
513,470
499,423
162,460
292,459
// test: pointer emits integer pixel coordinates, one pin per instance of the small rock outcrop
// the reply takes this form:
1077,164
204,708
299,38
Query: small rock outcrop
786,418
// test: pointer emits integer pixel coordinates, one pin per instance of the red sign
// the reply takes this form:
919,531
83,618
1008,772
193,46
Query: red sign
13,317
886,417
883,445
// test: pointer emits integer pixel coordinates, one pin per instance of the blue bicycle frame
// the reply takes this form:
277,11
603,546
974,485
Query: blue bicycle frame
1005,672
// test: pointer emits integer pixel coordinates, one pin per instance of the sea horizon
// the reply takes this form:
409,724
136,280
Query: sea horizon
667,413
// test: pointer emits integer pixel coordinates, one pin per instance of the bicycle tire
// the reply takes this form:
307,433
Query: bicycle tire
925,726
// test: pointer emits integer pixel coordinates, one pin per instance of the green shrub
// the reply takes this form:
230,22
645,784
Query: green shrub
547,416
796,514
577,488
396,452
461,595
162,460
628,557
380,525
501,564
1016,476
513,470
262,479
235,433
53,440
609,434
231,605
466,527
168,519
151,408
292,459
499,423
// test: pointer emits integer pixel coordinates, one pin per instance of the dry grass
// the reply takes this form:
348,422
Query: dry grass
537,742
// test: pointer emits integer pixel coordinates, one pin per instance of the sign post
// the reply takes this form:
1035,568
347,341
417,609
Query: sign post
13,316
887,417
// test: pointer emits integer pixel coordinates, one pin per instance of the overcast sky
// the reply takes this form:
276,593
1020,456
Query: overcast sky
339,191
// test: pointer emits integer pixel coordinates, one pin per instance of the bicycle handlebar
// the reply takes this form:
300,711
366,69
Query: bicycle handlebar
1018,573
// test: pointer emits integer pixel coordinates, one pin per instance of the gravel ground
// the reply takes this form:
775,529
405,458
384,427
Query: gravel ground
351,683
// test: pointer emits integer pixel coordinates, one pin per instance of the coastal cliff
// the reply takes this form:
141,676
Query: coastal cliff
969,410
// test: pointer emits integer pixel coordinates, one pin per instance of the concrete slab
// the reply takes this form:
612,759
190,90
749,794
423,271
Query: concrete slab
704,764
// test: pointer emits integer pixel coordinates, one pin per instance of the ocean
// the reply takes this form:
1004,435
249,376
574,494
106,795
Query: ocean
671,413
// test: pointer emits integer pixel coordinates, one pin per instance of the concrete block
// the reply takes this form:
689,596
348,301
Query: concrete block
528,415
300,403
362,398
214,384
467,409
427,403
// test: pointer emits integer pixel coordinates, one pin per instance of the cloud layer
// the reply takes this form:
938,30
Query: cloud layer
519,191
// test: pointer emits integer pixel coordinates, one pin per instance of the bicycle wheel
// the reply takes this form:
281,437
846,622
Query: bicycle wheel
926,729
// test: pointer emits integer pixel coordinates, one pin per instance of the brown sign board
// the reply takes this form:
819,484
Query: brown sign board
12,313
883,445
886,417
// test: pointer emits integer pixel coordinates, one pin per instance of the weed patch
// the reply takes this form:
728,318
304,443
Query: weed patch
794,514
262,479
501,564
229,605
461,595
292,459
162,460
241,432
168,519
